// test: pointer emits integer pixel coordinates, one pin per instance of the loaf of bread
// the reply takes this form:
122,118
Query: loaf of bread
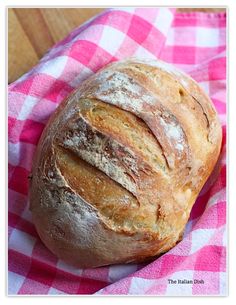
121,163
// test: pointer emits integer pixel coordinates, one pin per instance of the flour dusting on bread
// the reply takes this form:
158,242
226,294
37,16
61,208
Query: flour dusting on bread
121,163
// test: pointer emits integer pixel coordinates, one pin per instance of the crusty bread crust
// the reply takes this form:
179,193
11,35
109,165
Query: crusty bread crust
121,162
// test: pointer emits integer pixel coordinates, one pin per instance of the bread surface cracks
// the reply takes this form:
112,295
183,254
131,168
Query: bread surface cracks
187,105
154,182
173,91
185,99
114,141
128,91
120,208
126,128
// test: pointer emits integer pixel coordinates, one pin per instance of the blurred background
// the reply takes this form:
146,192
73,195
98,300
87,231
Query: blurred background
32,31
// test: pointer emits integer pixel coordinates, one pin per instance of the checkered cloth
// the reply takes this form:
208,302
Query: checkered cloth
194,42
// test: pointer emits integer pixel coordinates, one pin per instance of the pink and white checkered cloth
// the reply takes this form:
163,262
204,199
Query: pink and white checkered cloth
194,42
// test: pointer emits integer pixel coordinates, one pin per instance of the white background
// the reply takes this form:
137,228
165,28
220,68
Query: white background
231,154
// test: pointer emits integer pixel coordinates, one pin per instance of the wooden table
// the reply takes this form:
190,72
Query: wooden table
32,31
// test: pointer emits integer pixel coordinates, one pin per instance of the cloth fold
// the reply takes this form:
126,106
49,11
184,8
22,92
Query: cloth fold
194,42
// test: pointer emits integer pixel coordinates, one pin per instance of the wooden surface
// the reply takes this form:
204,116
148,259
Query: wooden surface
32,31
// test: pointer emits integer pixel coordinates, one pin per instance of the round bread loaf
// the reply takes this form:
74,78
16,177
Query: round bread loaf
121,163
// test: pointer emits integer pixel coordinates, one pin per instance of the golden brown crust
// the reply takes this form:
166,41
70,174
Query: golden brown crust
121,163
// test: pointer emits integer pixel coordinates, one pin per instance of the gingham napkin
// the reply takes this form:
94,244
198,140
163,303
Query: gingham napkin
194,42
